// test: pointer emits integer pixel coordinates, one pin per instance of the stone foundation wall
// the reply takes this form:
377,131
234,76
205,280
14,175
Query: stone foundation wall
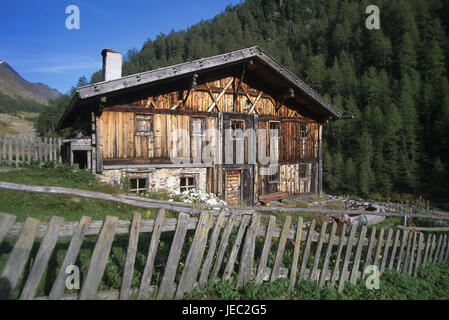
159,179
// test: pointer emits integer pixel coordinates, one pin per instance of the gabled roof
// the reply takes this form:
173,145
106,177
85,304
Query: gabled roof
95,91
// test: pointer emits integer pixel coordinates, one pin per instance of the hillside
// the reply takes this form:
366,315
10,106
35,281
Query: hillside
395,81
17,94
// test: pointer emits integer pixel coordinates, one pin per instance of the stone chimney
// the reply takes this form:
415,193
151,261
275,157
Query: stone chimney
112,64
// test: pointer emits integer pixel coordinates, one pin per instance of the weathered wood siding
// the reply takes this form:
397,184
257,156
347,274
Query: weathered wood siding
202,96
121,142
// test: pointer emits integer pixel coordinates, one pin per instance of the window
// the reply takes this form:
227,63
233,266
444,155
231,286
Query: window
237,127
303,172
303,131
144,125
197,131
197,127
138,185
274,177
275,134
187,183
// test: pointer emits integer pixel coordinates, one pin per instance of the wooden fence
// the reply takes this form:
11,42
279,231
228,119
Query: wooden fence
225,245
18,150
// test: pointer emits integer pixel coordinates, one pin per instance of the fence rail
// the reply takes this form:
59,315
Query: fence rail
16,150
197,208
237,247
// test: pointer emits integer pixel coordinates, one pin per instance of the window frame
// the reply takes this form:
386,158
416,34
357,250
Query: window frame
138,189
203,126
187,186
303,134
233,137
306,171
141,118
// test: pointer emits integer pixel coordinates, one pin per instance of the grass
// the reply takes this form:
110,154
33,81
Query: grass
432,283
44,206
6,129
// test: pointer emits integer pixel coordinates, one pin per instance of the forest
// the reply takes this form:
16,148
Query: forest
394,80
17,104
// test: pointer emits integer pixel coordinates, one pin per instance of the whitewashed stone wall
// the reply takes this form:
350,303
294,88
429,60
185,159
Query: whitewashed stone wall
161,179
169,179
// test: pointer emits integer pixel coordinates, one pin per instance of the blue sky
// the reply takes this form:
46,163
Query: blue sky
34,39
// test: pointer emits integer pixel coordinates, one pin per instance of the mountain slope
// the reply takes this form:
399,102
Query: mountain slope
394,80
13,85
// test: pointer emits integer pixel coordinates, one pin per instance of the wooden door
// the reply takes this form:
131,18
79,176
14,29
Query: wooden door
233,183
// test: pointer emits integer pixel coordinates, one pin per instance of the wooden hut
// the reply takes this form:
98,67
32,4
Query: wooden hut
239,125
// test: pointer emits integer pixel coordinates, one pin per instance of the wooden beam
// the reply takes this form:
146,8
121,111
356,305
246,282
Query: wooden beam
211,107
150,101
253,107
239,85
193,84
212,96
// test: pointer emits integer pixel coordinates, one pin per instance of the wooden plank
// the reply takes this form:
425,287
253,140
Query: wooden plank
247,256
330,245
407,253
168,279
204,276
145,283
336,270
358,254
131,251
224,243
379,245
22,145
296,253
43,256
446,257
195,255
437,251
266,250
17,150
432,248
233,255
281,249
419,254
401,252
6,222
10,150
18,258
30,149
407,249
306,253
368,257
57,290
428,245
3,150
386,250
99,259
395,248
412,255
343,276
442,251
314,276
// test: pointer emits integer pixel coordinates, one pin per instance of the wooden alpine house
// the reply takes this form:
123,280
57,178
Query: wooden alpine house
208,125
